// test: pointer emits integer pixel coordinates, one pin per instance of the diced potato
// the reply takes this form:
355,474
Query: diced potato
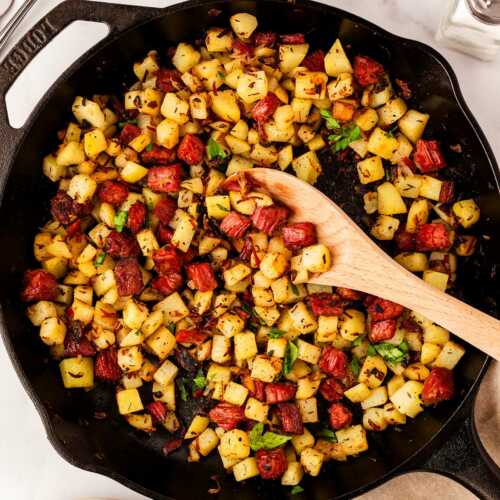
449,356
352,439
311,460
336,61
141,422
392,416
404,150
184,232
407,398
293,474
327,328
235,394
52,331
435,334
385,227
207,441
245,469
303,441
277,347
307,167
378,397
390,201
467,212
391,111
185,57
341,88
302,320
429,353
290,56
416,371
352,324
370,200
236,274
130,359
373,371
394,384
252,86
413,261
266,368
235,444
382,144
430,187
218,40
77,372
374,419
88,111
316,258
245,346
331,451
225,106
175,109
357,393
436,279
243,24
370,170
94,142
310,85
81,188
256,410
129,401
308,352
210,73
197,426
307,387
221,349
167,133
40,311
417,215
218,206
412,124
161,342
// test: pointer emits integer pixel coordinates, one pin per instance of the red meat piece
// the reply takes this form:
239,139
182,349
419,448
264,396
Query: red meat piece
325,304
136,217
265,38
405,241
121,245
191,150
165,179
293,38
169,80
428,156
381,309
447,192
39,285
315,61
272,464
75,228
235,225
227,415
171,445
332,390
333,361
438,386
366,70
265,108
242,48
280,392
158,411
106,366
157,155
167,259
203,276
129,133
340,416
62,208
168,283
164,234
270,219
299,235
432,237
349,294
75,342
128,277
165,210
291,420
112,192
382,330
192,336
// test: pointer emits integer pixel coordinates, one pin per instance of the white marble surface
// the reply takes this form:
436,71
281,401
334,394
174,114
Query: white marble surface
29,468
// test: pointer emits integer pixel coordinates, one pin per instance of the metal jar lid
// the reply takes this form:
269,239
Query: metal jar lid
487,11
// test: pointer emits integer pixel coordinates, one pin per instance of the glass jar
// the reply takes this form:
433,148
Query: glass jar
472,27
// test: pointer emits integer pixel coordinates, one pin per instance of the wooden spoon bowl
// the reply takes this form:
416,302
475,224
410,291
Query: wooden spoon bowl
360,264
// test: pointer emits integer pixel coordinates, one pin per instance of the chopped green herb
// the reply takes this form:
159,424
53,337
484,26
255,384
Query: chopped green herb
199,382
246,308
274,333
171,327
149,147
292,351
371,350
344,137
331,122
215,150
328,434
123,123
294,288
355,368
121,220
258,318
268,440
391,132
220,74
181,384
99,259
392,353
297,489
358,341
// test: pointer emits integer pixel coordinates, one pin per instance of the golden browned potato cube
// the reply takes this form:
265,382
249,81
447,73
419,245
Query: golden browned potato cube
407,398
467,212
197,426
245,469
370,170
161,342
77,372
129,401
311,460
373,371
256,410
235,444
336,61
235,394
266,368
352,439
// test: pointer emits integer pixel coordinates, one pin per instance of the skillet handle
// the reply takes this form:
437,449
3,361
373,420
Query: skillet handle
463,458
117,17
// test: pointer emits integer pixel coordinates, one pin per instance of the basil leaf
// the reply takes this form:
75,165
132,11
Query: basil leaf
328,434
274,333
268,441
149,147
292,351
294,288
120,220
348,134
392,353
246,308
214,150
199,382
181,384
331,122
100,259
391,132
258,318
371,350
297,489
355,368
171,327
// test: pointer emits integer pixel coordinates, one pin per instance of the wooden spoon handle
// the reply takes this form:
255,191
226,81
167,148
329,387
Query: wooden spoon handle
399,285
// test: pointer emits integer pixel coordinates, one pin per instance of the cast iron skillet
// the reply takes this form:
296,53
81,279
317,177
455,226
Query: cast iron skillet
113,448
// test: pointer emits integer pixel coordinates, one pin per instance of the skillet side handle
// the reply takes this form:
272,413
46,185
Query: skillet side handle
117,17
463,458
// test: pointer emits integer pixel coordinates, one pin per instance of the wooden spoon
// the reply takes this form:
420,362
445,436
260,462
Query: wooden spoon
360,264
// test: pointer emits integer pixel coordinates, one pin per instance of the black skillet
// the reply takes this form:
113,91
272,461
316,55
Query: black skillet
111,447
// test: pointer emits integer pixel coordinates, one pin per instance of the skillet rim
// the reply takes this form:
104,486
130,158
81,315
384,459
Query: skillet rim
157,13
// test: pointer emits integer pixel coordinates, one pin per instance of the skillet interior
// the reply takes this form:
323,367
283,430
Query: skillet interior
112,447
